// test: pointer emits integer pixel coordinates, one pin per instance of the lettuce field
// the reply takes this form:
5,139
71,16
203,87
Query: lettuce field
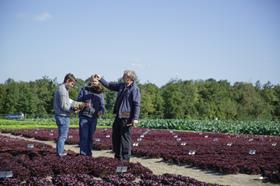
218,152
37,164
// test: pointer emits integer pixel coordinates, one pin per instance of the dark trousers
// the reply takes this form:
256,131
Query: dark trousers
87,127
121,139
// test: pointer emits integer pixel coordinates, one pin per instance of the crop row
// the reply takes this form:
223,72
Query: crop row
36,164
233,127
225,153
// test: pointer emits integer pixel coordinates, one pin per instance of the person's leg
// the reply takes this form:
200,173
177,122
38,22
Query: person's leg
83,133
63,128
116,138
125,141
92,128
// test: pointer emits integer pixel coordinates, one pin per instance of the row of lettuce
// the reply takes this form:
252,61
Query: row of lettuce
234,127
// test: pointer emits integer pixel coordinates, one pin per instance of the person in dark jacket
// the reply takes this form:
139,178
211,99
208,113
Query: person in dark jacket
127,110
91,94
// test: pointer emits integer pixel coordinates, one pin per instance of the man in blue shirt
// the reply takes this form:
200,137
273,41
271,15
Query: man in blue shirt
127,110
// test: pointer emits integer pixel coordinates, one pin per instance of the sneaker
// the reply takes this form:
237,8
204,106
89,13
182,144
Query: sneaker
63,154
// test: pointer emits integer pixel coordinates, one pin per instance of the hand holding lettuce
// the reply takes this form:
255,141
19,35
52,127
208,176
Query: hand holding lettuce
77,105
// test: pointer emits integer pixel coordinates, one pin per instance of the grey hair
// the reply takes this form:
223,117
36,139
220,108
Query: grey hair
131,74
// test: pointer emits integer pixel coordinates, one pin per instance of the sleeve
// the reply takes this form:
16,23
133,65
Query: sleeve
65,101
111,85
81,95
136,102
102,104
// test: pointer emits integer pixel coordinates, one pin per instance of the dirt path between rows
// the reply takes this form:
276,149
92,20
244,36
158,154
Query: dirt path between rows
159,167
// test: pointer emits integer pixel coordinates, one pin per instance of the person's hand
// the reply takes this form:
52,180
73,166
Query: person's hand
97,76
99,113
80,105
77,110
134,123
86,104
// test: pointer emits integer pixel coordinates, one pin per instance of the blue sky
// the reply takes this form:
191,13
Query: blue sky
234,40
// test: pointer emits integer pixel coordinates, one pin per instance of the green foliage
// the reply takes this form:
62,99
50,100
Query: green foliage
149,102
235,127
110,97
74,92
45,123
27,123
201,99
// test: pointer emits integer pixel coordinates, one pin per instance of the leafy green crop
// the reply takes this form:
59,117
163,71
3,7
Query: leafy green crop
235,127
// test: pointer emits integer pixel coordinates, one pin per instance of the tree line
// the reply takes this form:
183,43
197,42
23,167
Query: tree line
189,99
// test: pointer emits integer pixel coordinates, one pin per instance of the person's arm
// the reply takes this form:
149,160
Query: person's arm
69,105
111,85
64,101
81,95
102,105
136,102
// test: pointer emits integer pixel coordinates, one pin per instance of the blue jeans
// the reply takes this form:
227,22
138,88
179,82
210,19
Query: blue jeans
87,127
63,123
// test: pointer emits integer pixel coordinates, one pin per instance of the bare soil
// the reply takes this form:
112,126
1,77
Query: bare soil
158,166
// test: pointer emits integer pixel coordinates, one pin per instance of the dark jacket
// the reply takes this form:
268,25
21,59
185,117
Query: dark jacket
128,99
96,100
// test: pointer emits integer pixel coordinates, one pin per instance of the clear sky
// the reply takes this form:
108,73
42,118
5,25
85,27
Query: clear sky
234,40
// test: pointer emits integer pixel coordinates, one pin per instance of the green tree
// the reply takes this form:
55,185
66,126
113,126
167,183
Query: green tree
172,98
28,100
74,92
110,98
149,101
12,97
2,98
269,95
250,103
44,89
190,98
276,110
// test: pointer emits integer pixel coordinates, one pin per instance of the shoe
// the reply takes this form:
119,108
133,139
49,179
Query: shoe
117,157
125,161
63,154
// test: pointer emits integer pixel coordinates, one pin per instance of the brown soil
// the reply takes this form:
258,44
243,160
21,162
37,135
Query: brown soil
159,167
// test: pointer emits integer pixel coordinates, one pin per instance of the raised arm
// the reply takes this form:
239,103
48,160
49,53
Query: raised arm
110,85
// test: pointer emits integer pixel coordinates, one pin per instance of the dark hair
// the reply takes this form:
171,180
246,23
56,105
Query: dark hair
95,89
98,89
69,76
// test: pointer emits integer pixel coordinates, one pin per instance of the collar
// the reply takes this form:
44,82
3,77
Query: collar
129,85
